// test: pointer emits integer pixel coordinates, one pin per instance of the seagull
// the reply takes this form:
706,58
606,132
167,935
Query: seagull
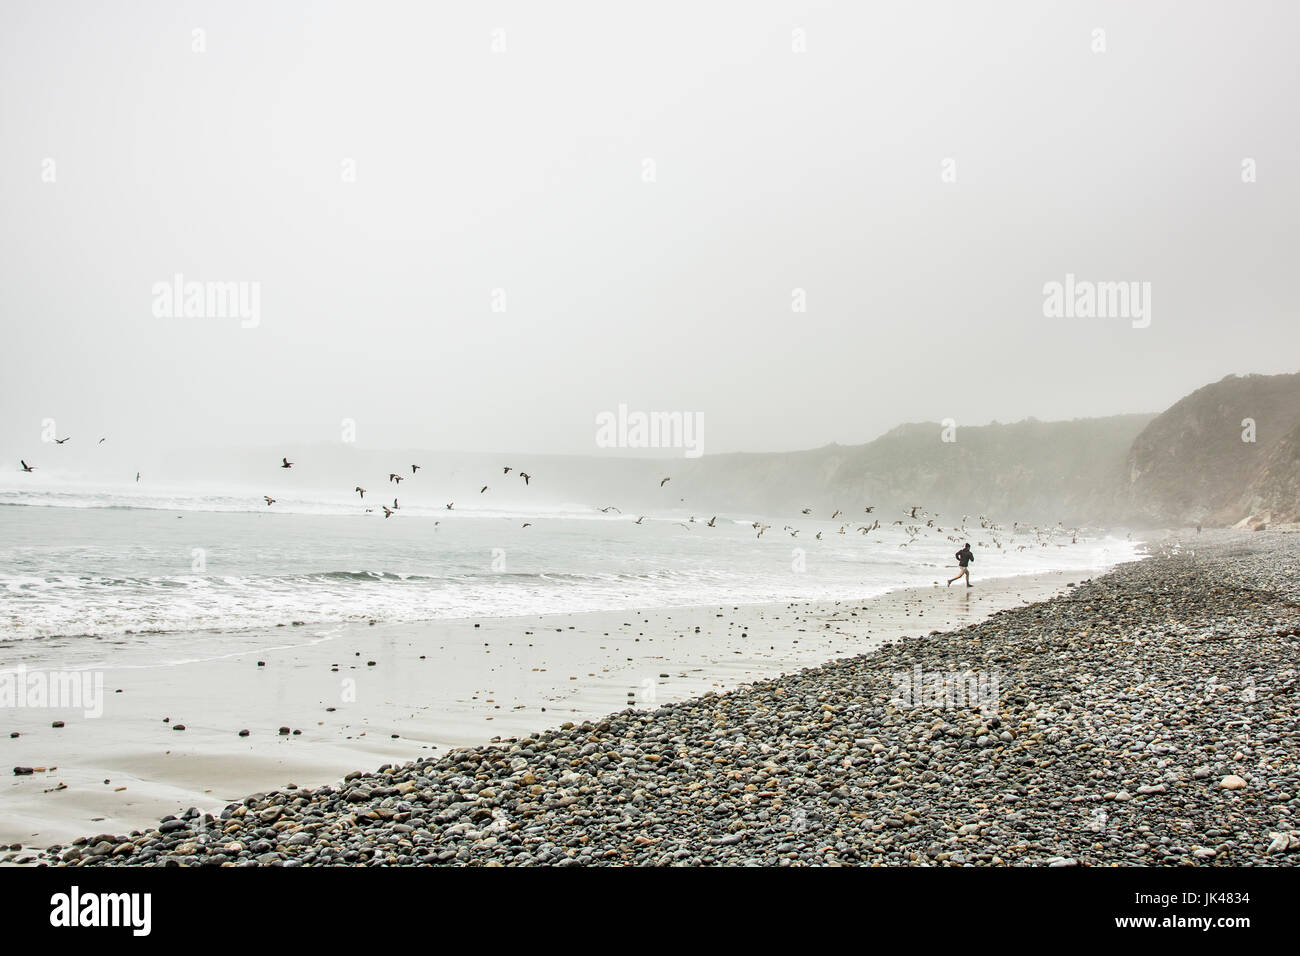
869,509
806,511
639,520
269,500
137,477
101,441
394,504
483,489
665,481
713,519
762,529
359,490
506,469
525,476
609,509
394,476
528,524
388,512
60,441
27,467
819,535
415,468
836,515
449,504
286,463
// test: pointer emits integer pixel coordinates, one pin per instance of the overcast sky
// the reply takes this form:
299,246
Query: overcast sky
379,169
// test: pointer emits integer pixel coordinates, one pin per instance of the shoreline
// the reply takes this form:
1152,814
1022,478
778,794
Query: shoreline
1147,717
499,677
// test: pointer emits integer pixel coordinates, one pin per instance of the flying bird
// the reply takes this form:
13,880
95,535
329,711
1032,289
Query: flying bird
713,519
528,524
415,468
609,509
60,441
449,504
359,490
506,469
388,512
286,463
269,500
525,476
27,467
806,511
639,520
483,489
665,481
101,441
394,476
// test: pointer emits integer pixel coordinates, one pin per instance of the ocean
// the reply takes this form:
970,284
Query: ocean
167,564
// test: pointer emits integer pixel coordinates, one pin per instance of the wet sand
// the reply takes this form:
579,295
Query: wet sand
361,696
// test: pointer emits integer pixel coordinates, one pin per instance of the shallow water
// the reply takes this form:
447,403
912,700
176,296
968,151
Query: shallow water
112,569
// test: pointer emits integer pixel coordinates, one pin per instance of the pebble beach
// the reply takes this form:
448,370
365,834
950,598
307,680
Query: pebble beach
1145,717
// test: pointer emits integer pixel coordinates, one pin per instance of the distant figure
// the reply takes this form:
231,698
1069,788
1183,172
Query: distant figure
1198,529
964,557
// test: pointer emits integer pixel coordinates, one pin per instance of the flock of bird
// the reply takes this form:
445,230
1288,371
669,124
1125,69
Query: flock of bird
396,478
926,524
916,522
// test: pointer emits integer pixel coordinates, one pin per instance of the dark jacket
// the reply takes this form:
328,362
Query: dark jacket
964,556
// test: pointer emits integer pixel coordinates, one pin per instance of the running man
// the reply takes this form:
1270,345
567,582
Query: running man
964,557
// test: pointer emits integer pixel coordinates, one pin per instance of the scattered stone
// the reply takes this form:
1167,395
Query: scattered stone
1105,715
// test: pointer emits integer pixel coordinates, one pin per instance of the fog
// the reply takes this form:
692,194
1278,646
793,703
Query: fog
479,227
